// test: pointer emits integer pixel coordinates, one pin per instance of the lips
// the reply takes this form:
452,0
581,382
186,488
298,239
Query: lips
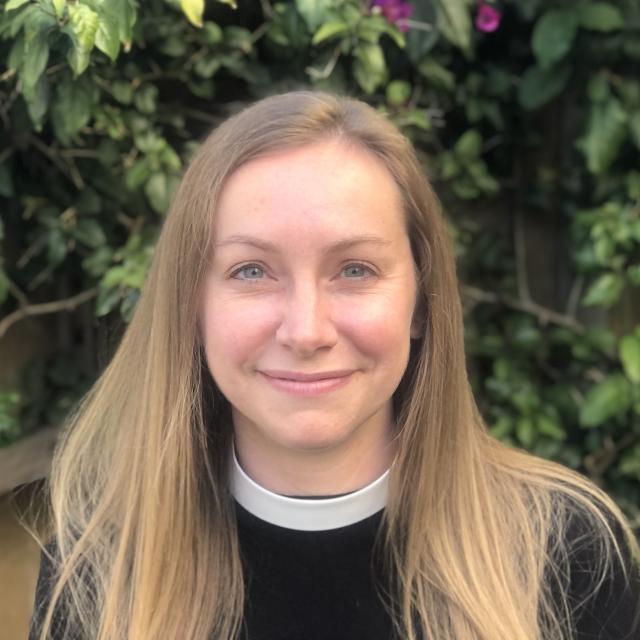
317,385
306,377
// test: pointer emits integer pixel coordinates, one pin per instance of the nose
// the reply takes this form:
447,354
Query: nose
306,323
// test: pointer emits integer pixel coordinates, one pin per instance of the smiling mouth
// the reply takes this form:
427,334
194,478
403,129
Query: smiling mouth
306,377
307,387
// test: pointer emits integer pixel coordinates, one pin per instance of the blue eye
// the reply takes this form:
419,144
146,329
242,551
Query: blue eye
254,272
250,269
359,269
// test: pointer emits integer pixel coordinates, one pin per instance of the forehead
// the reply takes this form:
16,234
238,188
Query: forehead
319,189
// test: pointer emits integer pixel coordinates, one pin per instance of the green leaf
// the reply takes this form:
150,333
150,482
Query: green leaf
59,7
449,165
84,23
465,188
598,88
468,146
419,41
607,399
313,12
238,38
194,10
633,273
170,159
159,190
605,291
78,59
145,98
107,299
14,4
630,462
38,102
207,67
72,106
629,349
548,426
454,21
89,232
138,174
502,427
479,171
212,33
107,37
538,85
370,68
417,118
124,14
553,35
35,57
330,30
16,54
122,91
398,92
98,262
601,16
606,131
525,431
128,304
56,246
440,77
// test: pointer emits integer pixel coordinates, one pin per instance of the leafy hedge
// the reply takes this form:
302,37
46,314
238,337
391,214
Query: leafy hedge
527,116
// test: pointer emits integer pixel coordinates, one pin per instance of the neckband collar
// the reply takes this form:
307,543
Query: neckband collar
307,514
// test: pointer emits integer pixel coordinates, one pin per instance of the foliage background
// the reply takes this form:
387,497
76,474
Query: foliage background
529,129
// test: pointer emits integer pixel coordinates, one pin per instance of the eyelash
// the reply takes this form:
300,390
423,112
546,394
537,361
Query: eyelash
254,264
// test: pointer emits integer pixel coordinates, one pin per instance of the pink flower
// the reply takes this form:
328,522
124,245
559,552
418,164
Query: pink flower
395,11
488,17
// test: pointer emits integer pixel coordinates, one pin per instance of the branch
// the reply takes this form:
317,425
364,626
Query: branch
544,315
67,304
68,169
17,293
328,68
599,461
267,9
574,295
259,32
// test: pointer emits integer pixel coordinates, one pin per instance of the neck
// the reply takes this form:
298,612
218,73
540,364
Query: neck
315,472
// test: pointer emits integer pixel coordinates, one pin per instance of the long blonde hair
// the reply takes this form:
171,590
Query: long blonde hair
143,522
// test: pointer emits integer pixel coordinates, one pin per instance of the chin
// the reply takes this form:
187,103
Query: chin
312,438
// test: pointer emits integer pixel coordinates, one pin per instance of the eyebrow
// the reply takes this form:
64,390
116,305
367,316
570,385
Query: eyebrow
340,245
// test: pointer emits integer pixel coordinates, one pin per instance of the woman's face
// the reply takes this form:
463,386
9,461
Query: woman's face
311,275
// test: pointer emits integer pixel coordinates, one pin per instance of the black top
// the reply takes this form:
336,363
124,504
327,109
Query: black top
311,585
322,585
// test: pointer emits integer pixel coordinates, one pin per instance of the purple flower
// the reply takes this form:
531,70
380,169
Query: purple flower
395,11
488,17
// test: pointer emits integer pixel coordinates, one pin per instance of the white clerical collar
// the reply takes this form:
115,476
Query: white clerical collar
307,514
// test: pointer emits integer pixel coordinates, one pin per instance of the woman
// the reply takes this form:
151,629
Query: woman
285,444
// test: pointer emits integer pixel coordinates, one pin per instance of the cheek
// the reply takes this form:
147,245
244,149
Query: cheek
233,329
378,327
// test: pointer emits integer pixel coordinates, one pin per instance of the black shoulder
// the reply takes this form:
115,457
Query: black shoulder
44,588
609,610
